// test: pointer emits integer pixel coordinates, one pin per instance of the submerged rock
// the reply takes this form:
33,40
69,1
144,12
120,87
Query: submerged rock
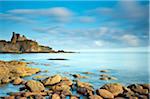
114,88
79,76
17,81
105,93
34,86
104,71
57,59
52,80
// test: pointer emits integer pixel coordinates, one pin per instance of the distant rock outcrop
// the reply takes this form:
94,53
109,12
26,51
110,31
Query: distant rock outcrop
20,44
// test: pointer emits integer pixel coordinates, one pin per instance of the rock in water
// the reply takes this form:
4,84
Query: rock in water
52,80
55,96
105,93
114,88
34,86
95,97
17,81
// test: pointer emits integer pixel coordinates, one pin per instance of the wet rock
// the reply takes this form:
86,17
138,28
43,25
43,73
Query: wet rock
74,97
5,80
138,88
9,97
87,73
112,78
122,98
103,71
95,97
55,96
114,88
9,70
146,86
26,94
66,81
17,81
34,86
105,93
52,80
84,88
57,59
104,75
39,77
104,78
79,76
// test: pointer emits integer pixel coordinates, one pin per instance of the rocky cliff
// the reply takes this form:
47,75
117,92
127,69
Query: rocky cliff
20,44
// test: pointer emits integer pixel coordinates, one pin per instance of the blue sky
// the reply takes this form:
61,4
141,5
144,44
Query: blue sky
78,25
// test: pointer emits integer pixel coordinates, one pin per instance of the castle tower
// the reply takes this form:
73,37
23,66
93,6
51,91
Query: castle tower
14,38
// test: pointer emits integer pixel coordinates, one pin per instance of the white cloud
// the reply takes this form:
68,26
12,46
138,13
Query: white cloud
130,39
99,43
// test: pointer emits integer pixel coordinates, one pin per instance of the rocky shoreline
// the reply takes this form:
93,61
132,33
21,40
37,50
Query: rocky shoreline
59,87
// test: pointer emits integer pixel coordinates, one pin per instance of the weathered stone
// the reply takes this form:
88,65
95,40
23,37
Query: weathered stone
52,80
114,88
55,96
17,81
34,86
10,70
95,97
74,97
138,88
105,93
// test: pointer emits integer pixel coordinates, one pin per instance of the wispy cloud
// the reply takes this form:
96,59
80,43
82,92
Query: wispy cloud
129,39
56,13
9,17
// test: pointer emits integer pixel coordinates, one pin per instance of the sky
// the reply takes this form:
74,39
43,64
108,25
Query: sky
78,25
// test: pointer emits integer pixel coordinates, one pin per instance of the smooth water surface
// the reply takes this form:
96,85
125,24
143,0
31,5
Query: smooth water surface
128,67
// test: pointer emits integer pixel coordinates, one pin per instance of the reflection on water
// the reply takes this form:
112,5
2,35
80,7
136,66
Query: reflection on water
127,67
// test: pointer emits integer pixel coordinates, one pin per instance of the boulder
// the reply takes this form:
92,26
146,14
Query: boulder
105,93
95,97
114,88
52,80
17,81
34,86
55,96
138,88
74,97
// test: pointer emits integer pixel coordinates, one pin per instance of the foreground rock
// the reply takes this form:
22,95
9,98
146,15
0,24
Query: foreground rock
52,80
58,87
12,70
114,88
34,86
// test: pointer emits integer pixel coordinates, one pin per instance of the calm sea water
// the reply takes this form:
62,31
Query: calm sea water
128,67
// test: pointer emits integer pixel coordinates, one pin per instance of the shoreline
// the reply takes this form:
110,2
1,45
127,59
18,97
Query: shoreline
62,87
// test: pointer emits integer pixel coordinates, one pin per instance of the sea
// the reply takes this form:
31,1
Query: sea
127,67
